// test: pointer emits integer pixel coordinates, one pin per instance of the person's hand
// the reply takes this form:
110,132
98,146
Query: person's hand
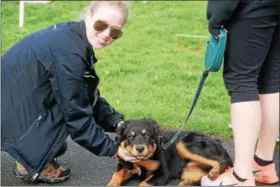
215,31
119,124
123,154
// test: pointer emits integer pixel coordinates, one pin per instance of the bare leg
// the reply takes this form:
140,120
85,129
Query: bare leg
270,126
246,123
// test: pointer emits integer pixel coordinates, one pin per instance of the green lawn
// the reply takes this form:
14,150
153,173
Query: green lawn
150,72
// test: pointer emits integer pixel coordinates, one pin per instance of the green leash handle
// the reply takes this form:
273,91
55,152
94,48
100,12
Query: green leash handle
215,50
214,55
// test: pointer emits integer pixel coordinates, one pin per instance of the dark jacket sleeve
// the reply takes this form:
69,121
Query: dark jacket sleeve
106,115
72,97
219,13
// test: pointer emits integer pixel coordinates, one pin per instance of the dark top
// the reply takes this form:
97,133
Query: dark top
221,12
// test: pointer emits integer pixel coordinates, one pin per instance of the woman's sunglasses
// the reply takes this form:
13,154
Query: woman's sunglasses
100,25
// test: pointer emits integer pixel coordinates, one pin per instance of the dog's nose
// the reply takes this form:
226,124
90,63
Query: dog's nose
140,148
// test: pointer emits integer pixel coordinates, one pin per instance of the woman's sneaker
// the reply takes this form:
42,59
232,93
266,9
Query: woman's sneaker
265,174
53,173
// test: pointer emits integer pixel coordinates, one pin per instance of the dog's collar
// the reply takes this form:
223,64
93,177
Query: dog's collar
117,157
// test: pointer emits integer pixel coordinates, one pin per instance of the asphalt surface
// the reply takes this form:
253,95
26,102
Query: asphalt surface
86,169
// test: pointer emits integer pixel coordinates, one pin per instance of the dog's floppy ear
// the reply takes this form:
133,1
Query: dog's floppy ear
119,132
156,134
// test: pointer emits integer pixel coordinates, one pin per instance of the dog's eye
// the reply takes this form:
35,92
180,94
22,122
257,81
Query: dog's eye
144,131
132,133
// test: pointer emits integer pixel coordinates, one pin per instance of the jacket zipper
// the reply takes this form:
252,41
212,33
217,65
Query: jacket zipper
35,177
38,120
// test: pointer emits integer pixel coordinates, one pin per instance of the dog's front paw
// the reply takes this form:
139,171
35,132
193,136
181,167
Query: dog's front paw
144,183
117,178
113,183
186,182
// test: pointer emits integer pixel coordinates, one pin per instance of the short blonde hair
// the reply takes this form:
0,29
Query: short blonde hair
123,6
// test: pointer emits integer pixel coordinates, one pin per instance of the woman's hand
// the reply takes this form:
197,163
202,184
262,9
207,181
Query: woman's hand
123,154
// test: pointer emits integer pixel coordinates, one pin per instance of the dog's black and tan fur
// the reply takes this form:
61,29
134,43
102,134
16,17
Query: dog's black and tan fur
190,157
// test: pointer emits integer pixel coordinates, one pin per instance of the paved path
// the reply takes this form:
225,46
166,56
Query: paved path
87,169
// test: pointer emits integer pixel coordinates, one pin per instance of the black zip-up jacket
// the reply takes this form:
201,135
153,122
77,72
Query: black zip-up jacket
221,12
49,91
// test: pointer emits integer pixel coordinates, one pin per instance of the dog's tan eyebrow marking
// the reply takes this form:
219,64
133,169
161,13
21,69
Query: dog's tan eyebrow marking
144,131
132,133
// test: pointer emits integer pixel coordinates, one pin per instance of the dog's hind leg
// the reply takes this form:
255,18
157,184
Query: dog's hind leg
186,154
191,175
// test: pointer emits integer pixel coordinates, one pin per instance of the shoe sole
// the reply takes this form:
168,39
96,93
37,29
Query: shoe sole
267,180
266,184
53,180
41,179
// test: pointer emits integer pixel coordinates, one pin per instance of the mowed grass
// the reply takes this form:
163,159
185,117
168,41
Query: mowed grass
150,72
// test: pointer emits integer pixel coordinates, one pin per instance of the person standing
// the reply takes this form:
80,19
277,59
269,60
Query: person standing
251,76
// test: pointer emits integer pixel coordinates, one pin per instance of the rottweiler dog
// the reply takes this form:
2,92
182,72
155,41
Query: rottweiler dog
191,156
